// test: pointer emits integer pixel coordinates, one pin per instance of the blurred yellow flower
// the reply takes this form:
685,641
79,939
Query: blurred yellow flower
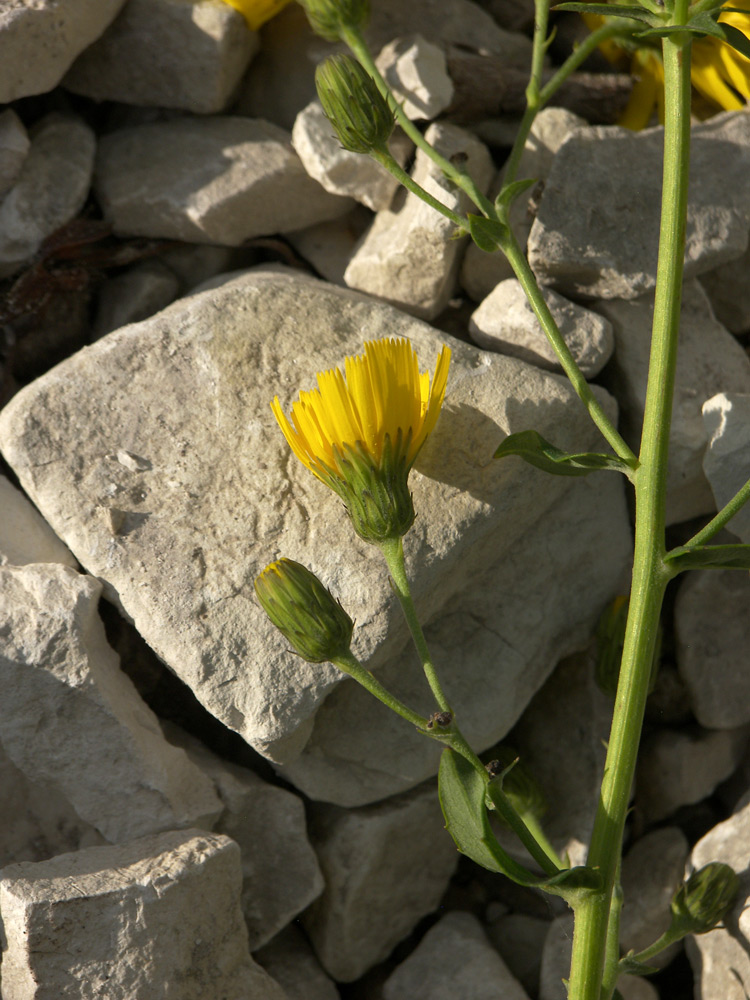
257,12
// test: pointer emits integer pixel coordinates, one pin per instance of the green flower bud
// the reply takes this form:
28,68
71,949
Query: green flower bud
329,18
304,611
353,105
519,785
704,900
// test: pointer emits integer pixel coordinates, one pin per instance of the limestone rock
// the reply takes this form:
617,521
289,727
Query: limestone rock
677,768
134,295
215,495
25,537
481,271
290,960
726,463
720,959
409,256
505,322
170,902
417,73
328,246
50,189
453,959
338,170
709,361
221,179
158,53
71,719
727,288
14,145
39,41
385,867
519,938
596,231
713,633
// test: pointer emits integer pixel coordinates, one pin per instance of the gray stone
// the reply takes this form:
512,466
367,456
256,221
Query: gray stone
50,189
410,256
713,633
596,231
505,322
651,874
158,53
726,463
678,768
720,960
481,271
417,73
39,41
519,938
338,170
709,361
179,543
385,867
453,959
221,180
290,960
72,720
198,263
729,291
25,537
134,295
328,246
14,145
171,904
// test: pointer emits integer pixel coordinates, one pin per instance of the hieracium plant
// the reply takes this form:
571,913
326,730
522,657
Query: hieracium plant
361,430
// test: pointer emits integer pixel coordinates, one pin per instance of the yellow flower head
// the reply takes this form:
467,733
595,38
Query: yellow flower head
257,12
360,433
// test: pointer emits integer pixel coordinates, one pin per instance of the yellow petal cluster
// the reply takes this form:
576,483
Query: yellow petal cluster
381,396
257,12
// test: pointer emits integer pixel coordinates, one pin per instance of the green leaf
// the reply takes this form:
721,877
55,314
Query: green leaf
709,557
510,192
734,37
631,967
488,234
607,10
532,447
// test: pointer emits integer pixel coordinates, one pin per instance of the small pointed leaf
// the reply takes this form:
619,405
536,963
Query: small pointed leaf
607,10
488,234
734,37
629,965
510,192
534,449
709,557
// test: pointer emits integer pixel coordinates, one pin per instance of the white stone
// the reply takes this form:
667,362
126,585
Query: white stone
519,938
481,271
505,322
727,288
596,231
39,41
385,867
409,256
328,246
453,959
189,55
134,295
189,392
680,768
50,189
159,916
709,361
290,960
14,145
726,463
25,537
220,179
338,170
416,71
71,719
720,959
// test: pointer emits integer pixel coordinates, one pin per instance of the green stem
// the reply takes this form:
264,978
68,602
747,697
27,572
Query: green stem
612,944
351,665
535,829
387,160
667,939
649,572
527,279
726,513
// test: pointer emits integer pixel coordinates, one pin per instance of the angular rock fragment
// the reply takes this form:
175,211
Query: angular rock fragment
290,960
596,231
69,718
385,867
14,145
729,292
25,537
505,322
328,246
50,188
417,74
189,55
134,295
519,938
726,463
169,901
409,256
221,180
709,361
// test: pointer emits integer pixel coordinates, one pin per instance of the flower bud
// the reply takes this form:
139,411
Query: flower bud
328,18
304,611
353,105
518,784
704,900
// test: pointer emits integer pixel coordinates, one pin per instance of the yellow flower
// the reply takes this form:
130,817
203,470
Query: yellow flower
257,12
361,434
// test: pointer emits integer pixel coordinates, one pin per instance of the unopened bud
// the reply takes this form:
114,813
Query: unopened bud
704,900
304,611
353,105
518,784
330,18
